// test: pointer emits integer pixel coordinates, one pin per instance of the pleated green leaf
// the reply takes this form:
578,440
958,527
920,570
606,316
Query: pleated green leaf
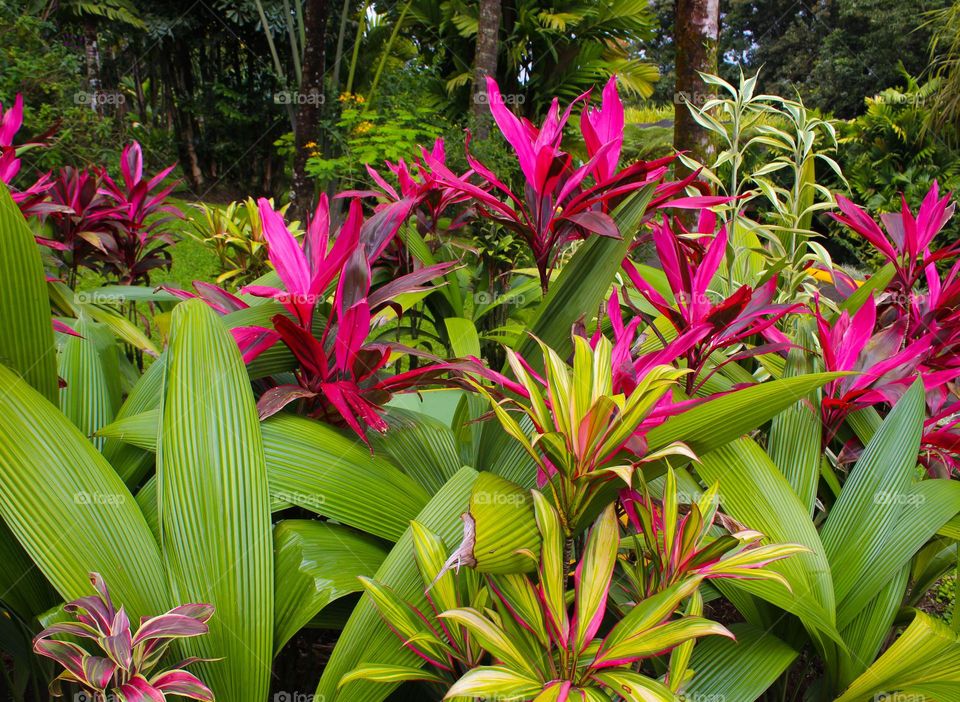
753,491
882,518
720,665
714,423
87,398
924,661
795,436
869,629
214,502
317,563
366,639
425,448
319,468
69,509
130,458
26,331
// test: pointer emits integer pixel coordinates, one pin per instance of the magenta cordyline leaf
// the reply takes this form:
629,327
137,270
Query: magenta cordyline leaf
169,626
704,324
604,125
119,644
908,239
180,682
10,121
67,654
139,690
98,671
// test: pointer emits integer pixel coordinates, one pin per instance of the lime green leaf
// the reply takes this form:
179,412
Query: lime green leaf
69,509
316,563
26,331
214,509
719,664
497,682
925,660
366,639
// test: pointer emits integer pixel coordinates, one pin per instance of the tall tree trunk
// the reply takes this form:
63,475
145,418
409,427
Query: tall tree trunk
309,102
485,63
696,35
92,54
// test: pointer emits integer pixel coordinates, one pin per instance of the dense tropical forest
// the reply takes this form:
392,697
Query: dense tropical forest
480,350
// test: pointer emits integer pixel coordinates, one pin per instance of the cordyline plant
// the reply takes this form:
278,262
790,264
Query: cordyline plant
537,639
341,375
543,647
82,217
561,202
707,321
673,541
138,238
449,648
32,200
583,432
127,667
907,242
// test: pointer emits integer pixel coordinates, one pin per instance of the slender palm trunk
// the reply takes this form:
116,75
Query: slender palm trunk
309,101
485,63
697,31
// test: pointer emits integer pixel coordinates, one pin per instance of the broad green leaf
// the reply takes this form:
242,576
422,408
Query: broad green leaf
366,639
318,468
716,422
881,518
925,660
719,664
316,563
867,632
69,509
87,398
505,526
754,492
129,456
26,331
795,437
425,448
464,339
213,502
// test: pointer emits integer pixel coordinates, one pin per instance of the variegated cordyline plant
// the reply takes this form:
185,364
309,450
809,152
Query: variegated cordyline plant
514,636
129,666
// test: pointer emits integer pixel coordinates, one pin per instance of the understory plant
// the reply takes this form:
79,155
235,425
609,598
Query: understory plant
128,666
